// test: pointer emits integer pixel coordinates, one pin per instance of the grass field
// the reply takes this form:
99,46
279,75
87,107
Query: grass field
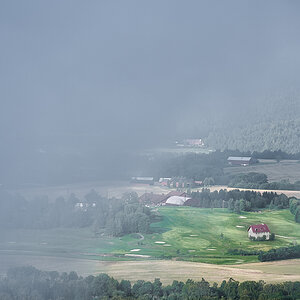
184,233
195,234
186,243
276,171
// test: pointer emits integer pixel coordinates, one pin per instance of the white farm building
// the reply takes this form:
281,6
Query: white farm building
177,200
259,231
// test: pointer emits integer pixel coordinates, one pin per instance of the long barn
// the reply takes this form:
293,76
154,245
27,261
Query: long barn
240,161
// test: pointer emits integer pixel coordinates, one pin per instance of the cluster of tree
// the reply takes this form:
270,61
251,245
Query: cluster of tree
113,216
295,208
255,180
30,283
237,200
280,253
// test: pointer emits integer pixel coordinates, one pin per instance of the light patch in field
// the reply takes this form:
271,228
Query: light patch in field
159,242
193,234
167,245
135,250
138,255
192,250
211,249
242,217
239,226
285,237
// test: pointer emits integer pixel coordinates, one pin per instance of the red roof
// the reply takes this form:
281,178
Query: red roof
259,228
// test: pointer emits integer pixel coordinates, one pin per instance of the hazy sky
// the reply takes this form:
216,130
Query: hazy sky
129,73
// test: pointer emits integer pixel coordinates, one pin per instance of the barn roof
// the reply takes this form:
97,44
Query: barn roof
259,228
177,200
242,158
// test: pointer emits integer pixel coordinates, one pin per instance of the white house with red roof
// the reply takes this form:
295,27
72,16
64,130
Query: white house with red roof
259,231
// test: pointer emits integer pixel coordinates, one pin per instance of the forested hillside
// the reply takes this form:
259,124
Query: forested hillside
272,126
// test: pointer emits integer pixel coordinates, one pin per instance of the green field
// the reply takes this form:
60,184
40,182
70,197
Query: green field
197,233
184,233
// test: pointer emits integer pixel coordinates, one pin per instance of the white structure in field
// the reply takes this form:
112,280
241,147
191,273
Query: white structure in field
259,231
177,200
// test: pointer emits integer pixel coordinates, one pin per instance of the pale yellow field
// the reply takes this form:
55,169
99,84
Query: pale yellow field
167,271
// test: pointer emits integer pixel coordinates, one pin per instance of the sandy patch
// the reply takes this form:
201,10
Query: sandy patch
159,242
135,250
242,217
167,245
211,249
239,226
138,255
192,250
193,234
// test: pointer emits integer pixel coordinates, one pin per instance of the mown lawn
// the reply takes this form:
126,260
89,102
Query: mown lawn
205,235
184,233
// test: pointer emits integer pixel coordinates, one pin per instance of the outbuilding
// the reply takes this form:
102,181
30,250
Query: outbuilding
260,231
176,200
240,161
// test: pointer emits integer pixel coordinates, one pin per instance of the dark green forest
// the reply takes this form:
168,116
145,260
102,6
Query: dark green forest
28,283
274,126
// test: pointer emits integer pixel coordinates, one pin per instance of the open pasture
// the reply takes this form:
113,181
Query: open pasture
184,233
276,171
205,235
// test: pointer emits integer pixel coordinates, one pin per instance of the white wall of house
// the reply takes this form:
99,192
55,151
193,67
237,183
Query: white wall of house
258,234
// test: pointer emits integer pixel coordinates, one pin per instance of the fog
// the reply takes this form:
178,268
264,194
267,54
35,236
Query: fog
84,83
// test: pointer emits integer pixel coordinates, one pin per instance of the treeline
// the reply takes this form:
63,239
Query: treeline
30,283
295,208
255,180
280,253
237,200
197,166
277,154
112,216
273,135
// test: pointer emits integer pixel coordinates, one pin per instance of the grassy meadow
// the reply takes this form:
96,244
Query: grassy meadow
184,233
